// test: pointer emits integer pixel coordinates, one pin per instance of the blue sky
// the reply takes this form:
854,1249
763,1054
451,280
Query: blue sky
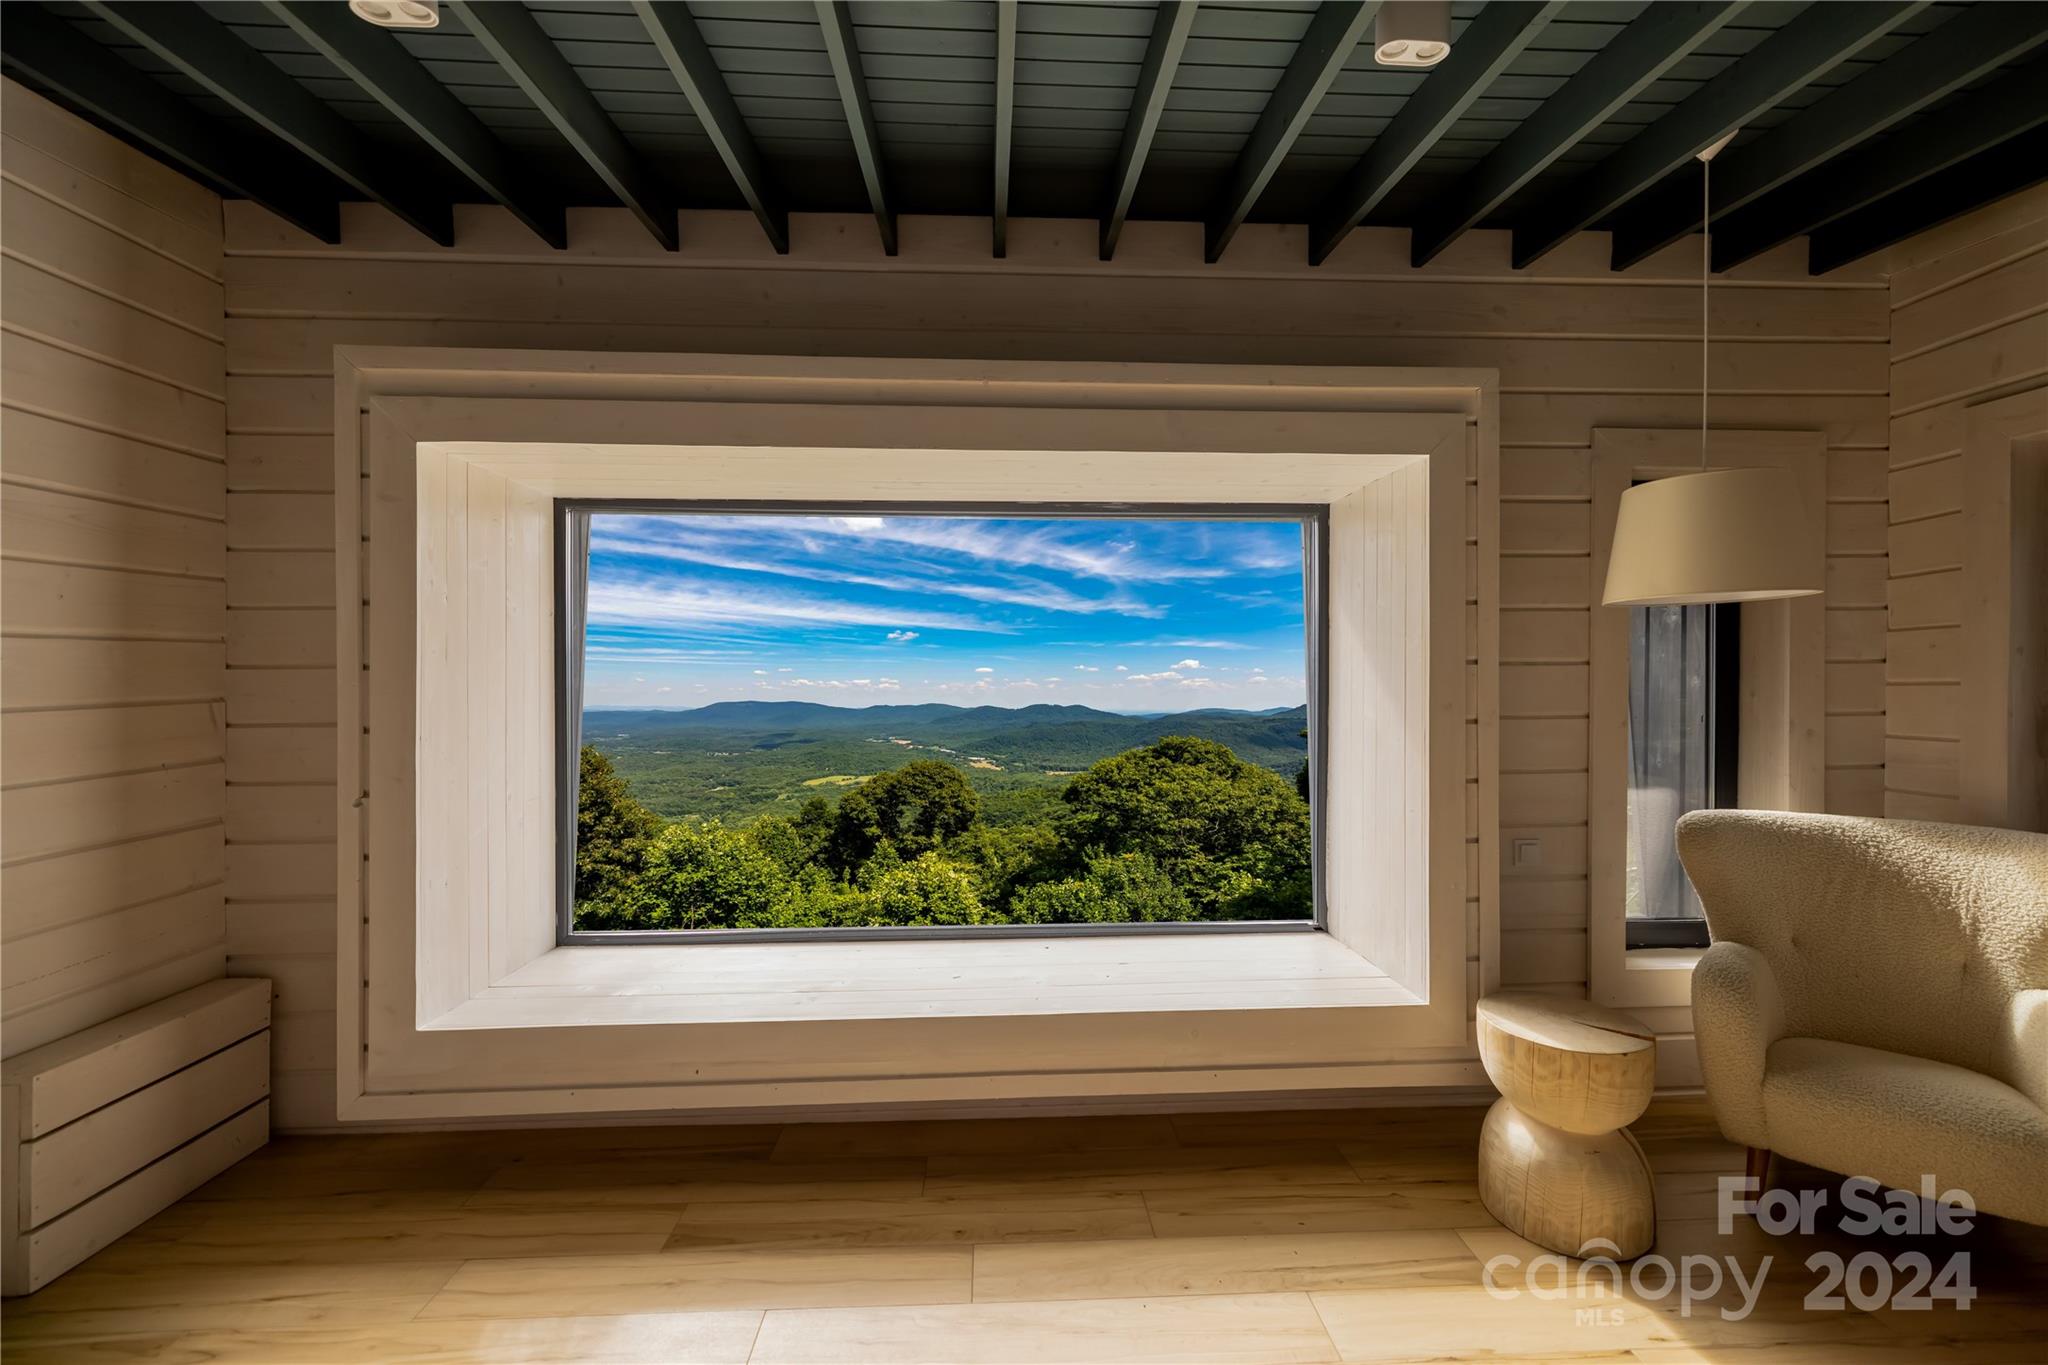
1136,616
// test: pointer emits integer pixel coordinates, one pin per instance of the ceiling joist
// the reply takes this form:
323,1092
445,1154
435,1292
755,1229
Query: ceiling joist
1170,28
387,73
1490,43
2008,108
208,52
675,36
1931,201
1006,118
1642,53
1973,44
517,44
1331,39
1822,37
842,49
58,57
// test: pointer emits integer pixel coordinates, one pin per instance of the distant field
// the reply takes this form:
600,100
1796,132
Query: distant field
736,760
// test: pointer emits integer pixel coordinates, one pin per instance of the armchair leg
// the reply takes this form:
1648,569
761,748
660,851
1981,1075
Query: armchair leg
1758,1167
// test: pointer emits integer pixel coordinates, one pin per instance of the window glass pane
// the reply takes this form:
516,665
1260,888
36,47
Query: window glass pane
1670,751
843,721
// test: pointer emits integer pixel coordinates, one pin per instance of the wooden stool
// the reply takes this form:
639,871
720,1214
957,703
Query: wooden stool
1556,1162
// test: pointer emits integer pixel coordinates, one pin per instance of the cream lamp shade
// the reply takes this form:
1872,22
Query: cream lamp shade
1721,535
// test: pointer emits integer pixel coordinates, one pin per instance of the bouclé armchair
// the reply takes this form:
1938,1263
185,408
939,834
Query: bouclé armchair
1875,1001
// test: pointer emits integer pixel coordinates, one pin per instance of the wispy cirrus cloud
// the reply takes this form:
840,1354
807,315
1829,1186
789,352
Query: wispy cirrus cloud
668,601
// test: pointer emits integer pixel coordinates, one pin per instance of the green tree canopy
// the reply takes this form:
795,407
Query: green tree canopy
612,829
1234,838
914,808
711,877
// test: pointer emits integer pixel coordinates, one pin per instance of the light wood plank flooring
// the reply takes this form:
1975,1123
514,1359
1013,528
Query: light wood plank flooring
1353,1235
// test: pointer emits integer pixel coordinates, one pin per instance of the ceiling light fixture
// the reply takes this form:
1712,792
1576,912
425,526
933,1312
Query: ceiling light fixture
398,13
1412,33
1721,535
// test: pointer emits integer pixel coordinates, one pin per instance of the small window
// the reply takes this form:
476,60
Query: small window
1682,705
786,721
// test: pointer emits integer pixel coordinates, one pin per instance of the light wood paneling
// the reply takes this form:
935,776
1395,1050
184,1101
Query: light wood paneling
1969,325
112,594
1575,347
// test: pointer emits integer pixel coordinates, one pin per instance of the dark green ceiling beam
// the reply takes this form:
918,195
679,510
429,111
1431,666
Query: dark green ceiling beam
1819,39
1639,55
207,51
1331,39
1974,43
387,73
1486,49
836,20
517,44
60,58
689,60
1170,29
1006,117
1962,188
2010,106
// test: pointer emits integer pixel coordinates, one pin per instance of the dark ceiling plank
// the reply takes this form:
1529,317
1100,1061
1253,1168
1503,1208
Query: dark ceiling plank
835,19
1973,44
1615,75
1820,38
517,44
1006,117
2006,169
675,36
1331,39
384,70
2010,106
42,46
1170,29
207,51
1489,44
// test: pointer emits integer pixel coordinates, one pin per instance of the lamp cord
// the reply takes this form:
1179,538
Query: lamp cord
1706,269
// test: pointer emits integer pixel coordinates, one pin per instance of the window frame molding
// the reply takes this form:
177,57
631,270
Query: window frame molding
1781,710
425,1030
571,590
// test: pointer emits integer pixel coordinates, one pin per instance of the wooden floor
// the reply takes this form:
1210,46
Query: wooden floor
1340,1235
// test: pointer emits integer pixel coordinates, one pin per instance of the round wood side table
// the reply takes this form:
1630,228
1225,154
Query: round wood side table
1557,1163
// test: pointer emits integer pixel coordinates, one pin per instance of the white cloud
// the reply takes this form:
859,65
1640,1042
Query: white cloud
984,670
1189,663
652,601
901,636
1168,676
1197,682
760,672
1084,668
1123,668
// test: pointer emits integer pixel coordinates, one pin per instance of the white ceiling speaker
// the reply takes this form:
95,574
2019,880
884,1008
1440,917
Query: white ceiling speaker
1412,33
398,13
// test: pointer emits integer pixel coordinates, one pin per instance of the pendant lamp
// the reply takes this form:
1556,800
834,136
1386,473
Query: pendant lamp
1720,535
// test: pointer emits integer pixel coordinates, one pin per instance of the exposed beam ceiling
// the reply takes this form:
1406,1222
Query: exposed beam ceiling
1990,175
1642,53
54,54
1006,117
2005,109
1490,44
516,42
208,52
387,73
1331,39
1170,28
1819,39
675,36
843,50
1973,44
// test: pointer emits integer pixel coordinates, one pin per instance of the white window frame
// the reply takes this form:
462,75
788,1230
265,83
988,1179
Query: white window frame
1781,710
456,1002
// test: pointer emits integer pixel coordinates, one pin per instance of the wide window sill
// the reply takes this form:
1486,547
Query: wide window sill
583,985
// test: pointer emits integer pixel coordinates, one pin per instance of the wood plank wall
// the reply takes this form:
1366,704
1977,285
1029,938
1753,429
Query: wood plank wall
1969,323
1577,347
113,533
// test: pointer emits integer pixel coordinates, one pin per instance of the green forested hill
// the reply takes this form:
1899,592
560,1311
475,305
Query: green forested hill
735,760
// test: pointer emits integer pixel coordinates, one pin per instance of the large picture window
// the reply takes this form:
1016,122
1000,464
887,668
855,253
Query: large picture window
780,720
